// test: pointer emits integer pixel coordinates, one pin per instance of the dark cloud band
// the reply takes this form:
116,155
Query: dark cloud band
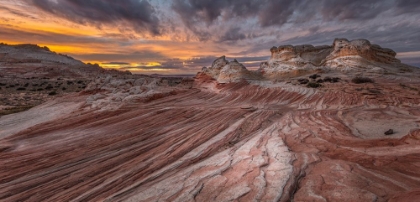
139,13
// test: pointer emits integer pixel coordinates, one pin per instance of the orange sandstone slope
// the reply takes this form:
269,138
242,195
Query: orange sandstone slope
277,134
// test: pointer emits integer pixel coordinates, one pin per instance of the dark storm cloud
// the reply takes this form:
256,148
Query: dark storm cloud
353,9
278,12
12,34
139,13
198,15
233,34
407,6
269,12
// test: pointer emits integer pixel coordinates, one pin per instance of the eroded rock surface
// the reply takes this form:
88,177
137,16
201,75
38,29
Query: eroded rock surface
228,72
127,138
343,55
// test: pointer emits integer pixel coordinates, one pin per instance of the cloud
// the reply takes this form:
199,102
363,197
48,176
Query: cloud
115,63
411,58
143,55
233,34
23,36
139,13
168,64
206,29
206,18
17,12
407,6
353,9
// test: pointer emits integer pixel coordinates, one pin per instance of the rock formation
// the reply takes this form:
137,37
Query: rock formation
228,135
290,61
227,72
343,55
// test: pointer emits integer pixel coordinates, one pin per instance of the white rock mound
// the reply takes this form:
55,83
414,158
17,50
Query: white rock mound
228,72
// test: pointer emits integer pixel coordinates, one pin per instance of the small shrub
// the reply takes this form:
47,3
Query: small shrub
20,89
314,76
303,81
331,80
327,79
52,93
389,132
335,80
313,85
64,88
358,80
49,87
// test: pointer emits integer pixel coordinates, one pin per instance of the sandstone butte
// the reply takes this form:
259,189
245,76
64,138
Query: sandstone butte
309,125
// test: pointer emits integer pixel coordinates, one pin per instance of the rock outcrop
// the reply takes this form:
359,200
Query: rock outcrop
291,61
362,48
228,72
300,55
319,55
342,55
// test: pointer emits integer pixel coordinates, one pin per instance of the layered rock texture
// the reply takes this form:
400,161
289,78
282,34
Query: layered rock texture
228,135
343,55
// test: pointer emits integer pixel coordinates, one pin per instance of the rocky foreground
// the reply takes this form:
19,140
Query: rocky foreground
330,123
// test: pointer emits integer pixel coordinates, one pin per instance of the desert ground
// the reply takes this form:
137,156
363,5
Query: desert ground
333,123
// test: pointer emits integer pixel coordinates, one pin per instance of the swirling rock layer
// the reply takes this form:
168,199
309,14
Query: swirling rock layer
218,142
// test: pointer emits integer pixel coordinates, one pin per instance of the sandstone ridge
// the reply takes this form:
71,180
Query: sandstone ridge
320,55
356,56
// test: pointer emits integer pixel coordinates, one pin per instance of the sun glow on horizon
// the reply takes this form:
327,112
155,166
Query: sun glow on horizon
164,39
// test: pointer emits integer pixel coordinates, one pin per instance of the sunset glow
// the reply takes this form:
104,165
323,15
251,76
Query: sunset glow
171,36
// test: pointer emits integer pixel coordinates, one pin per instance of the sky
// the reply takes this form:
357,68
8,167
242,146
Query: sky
182,36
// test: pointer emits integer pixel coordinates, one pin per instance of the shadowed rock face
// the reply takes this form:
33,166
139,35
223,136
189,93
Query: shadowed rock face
301,54
139,139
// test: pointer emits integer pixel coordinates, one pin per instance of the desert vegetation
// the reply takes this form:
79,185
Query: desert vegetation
359,80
